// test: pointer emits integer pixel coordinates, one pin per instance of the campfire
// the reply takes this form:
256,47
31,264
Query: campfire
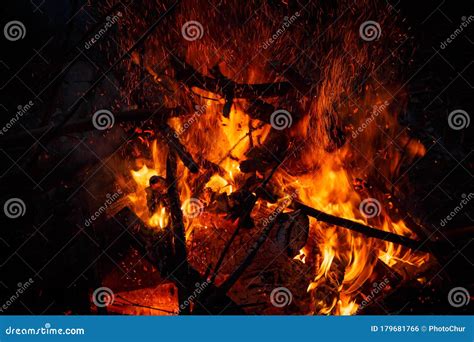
277,157
268,177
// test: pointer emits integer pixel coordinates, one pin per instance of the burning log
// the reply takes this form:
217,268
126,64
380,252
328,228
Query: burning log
228,91
262,110
241,204
158,248
192,78
259,158
181,272
292,233
210,169
156,194
335,132
363,229
173,142
327,289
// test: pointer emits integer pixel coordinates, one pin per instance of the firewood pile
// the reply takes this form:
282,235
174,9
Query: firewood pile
254,175
234,217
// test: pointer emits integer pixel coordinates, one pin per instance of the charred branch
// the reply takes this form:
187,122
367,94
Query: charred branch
361,228
292,233
158,248
260,110
81,126
228,91
260,159
303,85
181,272
192,78
173,142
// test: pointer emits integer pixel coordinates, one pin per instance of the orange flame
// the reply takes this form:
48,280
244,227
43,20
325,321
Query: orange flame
321,173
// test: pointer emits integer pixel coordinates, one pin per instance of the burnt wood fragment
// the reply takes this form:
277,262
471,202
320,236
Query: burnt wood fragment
422,246
181,271
292,233
271,153
171,138
185,73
